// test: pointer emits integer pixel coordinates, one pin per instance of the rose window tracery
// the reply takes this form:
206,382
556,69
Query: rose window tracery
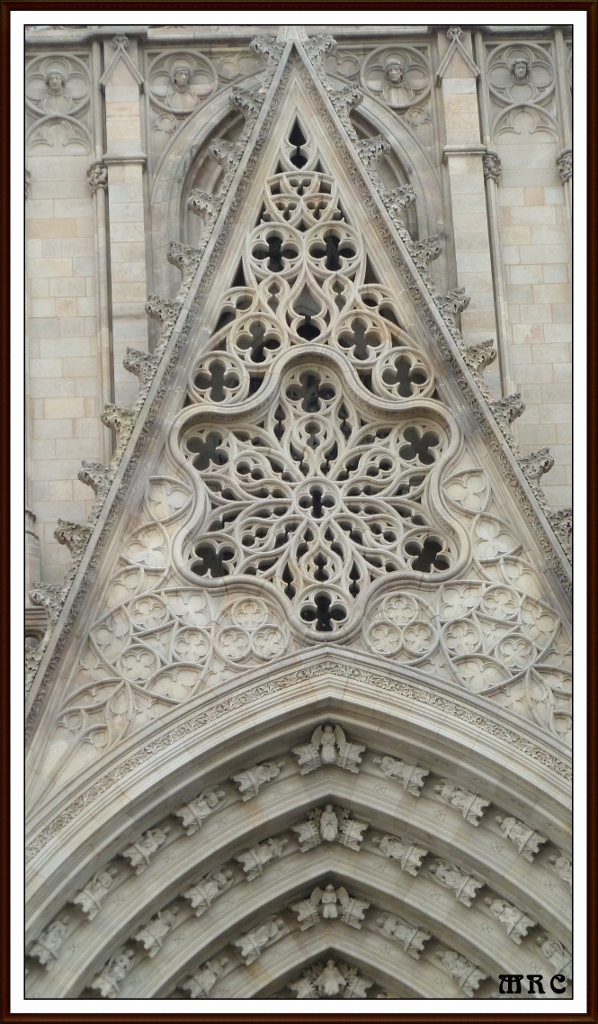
315,428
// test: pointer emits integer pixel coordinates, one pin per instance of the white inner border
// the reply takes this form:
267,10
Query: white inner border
18,20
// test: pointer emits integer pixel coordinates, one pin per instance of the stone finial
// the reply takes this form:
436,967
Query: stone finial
454,34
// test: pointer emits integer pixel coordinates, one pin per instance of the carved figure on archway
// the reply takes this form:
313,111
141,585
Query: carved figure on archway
328,747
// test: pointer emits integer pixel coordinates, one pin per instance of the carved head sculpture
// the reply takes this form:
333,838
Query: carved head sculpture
395,72
520,69
181,76
55,82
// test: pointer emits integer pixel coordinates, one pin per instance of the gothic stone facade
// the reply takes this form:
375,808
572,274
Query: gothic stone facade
300,302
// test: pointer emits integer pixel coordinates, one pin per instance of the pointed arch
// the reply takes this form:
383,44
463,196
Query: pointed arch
438,644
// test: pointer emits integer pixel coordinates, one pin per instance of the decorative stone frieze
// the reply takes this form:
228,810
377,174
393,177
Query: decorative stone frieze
181,82
525,839
329,747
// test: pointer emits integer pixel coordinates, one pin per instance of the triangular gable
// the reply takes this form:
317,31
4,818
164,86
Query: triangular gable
333,383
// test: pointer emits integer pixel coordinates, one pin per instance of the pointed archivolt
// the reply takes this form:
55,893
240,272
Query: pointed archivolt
313,476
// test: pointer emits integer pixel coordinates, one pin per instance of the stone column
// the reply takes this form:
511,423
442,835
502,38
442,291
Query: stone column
457,77
33,557
505,383
125,162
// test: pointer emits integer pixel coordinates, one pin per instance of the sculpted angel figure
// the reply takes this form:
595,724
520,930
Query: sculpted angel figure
329,746
329,824
332,904
330,981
